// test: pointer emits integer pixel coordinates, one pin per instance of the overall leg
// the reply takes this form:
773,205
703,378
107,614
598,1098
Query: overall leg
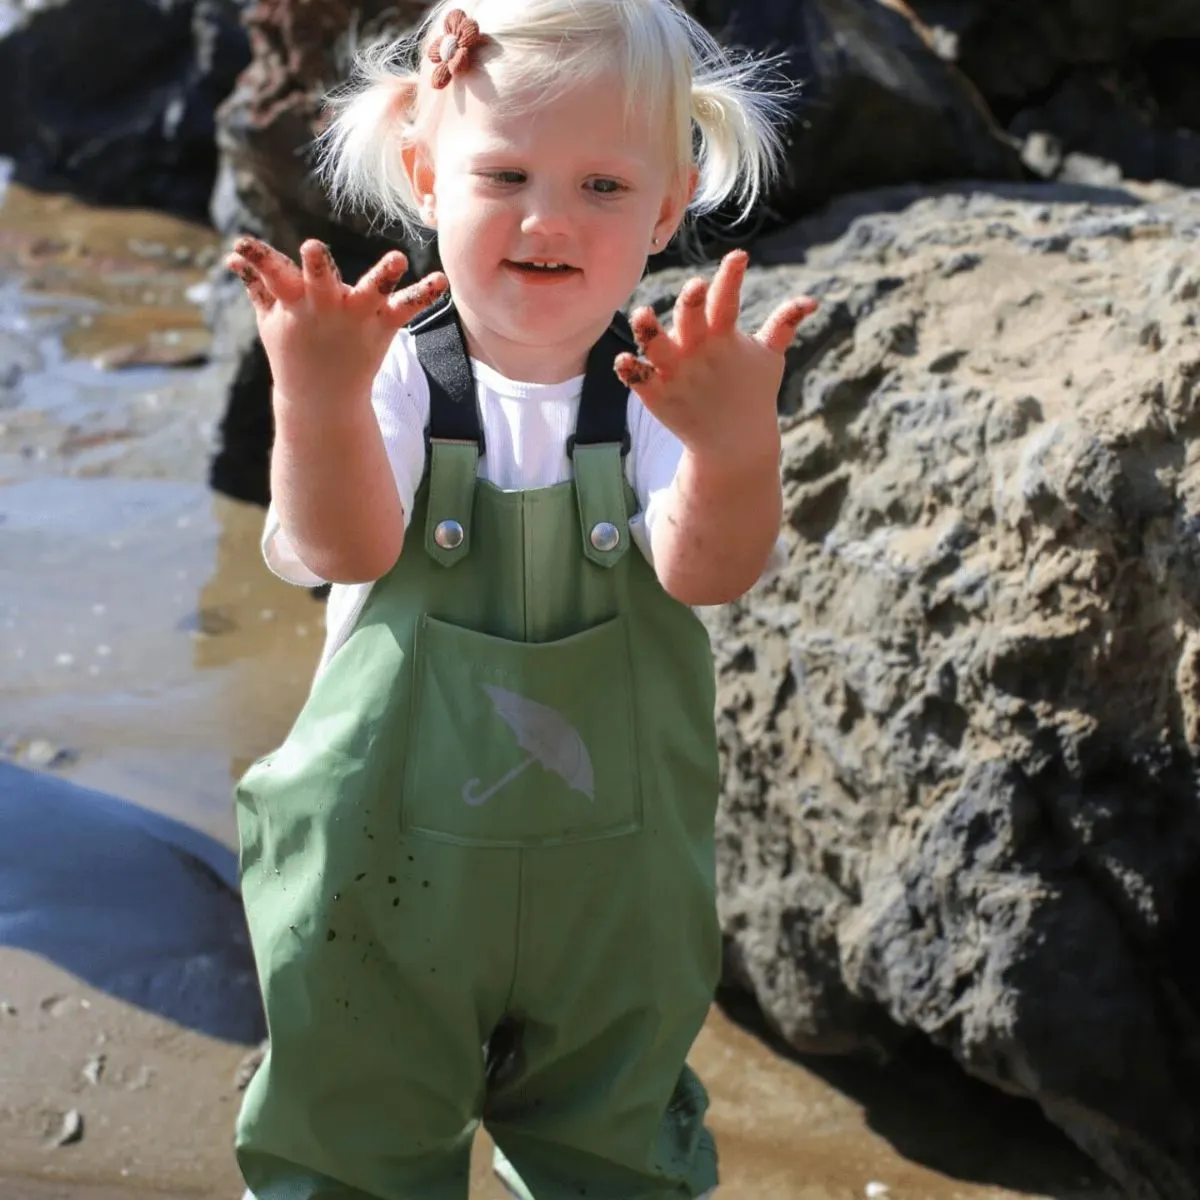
613,988
384,963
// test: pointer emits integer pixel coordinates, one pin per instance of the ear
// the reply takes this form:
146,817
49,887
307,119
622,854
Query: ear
674,206
418,167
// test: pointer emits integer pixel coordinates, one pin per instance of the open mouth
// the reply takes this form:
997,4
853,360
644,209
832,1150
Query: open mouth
543,267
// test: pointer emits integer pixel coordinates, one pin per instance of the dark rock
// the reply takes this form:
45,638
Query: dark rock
114,102
1088,116
878,106
1013,49
1114,82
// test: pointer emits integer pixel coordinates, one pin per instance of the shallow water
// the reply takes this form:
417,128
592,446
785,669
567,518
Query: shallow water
147,652
139,634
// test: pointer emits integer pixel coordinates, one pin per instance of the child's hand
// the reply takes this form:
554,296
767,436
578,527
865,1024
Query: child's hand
324,339
713,386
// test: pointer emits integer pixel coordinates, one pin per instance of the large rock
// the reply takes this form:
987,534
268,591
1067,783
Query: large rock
114,101
960,729
877,105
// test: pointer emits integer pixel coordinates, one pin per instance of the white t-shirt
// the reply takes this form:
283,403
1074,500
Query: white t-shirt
525,431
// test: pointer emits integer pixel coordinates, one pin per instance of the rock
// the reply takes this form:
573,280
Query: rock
1115,82
43,755
71,1130
960,729
877,104
167,348
1013,49
1089,118
114,102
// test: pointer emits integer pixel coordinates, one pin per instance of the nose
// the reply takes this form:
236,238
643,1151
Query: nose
547,212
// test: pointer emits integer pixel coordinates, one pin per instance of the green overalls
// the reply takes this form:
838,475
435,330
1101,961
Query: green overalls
479,871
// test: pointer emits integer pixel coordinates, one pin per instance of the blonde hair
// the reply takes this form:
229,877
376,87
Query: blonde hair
722,110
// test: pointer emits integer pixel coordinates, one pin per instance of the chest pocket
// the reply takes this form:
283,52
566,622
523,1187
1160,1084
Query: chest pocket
521,743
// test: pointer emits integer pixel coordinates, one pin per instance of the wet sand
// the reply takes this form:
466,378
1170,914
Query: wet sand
148,653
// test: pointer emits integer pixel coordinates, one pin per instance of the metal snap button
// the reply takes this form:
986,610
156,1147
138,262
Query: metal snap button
448,534
605,536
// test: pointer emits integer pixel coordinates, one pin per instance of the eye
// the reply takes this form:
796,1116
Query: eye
505,177
606,187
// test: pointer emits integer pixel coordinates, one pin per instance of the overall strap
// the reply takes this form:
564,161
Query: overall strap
603,405
598,449
455,439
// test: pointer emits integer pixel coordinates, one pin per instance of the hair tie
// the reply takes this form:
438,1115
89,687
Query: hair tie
452,52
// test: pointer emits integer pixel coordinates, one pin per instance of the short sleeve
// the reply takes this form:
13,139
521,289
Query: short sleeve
280,555
400,398
654,454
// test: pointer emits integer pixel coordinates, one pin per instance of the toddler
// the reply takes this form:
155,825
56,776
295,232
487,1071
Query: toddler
478,872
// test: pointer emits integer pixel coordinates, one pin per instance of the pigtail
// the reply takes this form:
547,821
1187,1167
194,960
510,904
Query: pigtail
737,110
358,153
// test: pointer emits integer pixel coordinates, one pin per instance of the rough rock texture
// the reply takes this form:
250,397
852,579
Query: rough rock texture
960,729
114,101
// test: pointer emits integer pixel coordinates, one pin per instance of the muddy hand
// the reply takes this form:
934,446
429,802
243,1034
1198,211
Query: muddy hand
268,275
316,284
324,338
704,376
375,291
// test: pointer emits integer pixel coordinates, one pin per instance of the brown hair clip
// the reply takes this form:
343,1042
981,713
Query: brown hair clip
452,52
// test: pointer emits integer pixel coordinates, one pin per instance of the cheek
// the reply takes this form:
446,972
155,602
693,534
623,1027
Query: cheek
619,244
467,217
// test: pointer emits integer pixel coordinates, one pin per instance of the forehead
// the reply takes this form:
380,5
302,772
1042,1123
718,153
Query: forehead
588,116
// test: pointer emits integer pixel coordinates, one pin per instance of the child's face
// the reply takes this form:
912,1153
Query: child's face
570,184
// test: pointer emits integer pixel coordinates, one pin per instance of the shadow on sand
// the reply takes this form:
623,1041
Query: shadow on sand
136,905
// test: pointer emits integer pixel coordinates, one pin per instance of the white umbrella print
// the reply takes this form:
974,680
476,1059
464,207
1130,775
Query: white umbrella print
549,738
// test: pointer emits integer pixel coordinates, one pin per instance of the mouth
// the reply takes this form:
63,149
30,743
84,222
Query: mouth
542,267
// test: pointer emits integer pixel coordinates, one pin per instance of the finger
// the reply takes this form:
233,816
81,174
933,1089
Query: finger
381,279
780,327
322,279
640,377
260,295
652,342
281,275
725,292
690,325
406,304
